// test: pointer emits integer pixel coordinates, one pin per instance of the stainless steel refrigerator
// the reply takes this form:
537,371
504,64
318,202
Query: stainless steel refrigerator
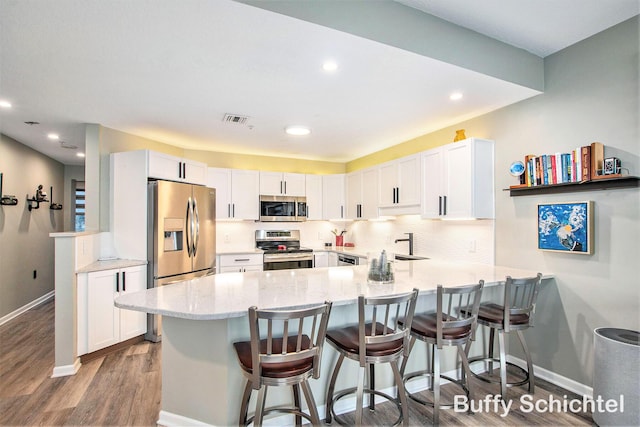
182,237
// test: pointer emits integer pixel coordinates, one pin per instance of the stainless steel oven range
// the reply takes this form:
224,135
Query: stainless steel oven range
282,249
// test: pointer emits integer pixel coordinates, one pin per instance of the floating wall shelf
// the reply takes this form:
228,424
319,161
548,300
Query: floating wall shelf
40,197
609,183
54,206
6,199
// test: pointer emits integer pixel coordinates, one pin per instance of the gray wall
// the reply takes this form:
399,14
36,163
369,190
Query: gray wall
25,244
591,95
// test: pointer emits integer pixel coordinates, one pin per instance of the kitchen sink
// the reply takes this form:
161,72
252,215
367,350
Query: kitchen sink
400,257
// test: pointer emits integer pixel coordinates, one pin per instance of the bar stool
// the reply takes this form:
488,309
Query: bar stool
378,337
452,324
288,360
515,314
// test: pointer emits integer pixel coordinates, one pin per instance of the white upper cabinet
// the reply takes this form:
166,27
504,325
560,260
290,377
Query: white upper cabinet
458,180
165,166
333,197
313,190
282,184
353,188
237,193
399,186
362,194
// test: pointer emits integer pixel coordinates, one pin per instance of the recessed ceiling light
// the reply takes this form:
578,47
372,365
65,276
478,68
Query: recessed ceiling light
5,104
80,154
455,96
297,130
329,66
53,136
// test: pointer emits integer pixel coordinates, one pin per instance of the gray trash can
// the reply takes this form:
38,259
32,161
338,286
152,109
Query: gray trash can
617,373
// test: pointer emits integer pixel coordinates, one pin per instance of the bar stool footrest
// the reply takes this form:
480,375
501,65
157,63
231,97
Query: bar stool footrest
282,410
496,380
409,377
339,395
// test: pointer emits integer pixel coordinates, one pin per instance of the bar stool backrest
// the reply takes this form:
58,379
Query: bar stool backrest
520,298
457,308
394,313
302,333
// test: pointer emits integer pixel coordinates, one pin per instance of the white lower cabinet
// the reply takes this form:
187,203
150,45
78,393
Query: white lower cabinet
333,259
100,322
320,259
240,263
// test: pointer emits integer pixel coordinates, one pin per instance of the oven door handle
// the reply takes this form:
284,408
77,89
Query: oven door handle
280,258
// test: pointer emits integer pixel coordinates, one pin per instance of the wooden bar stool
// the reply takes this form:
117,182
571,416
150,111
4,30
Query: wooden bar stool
286,360
515,314
377,338
452,324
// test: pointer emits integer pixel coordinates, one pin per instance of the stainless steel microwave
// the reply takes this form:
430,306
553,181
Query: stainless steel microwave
283,208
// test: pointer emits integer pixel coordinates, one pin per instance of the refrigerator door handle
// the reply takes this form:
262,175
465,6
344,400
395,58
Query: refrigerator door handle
196,225
188,227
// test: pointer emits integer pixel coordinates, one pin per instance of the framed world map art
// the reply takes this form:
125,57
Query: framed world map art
566,227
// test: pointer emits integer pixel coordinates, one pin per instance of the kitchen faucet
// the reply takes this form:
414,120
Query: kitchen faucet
410,240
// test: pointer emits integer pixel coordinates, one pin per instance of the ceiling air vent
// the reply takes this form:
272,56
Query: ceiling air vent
235,119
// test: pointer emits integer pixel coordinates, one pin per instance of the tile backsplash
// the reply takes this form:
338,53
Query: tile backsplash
468,241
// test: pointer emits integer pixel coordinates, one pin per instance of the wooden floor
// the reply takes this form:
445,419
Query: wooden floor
123,388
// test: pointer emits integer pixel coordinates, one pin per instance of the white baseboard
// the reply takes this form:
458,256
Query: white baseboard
24,308
555,379
169,419
66,370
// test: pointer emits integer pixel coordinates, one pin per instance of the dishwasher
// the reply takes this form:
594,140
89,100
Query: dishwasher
347,260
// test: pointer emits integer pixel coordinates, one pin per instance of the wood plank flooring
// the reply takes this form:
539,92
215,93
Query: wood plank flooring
118,389
123,388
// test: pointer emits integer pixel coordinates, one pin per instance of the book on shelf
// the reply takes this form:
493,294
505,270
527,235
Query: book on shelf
581,164
585,157
597,158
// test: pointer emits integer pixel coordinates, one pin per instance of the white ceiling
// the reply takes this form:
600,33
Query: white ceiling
169,70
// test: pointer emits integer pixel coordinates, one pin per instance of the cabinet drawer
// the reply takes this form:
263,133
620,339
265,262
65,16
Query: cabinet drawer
240,259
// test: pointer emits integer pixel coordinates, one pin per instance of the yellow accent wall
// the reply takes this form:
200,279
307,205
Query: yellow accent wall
264,163
416,145
114,141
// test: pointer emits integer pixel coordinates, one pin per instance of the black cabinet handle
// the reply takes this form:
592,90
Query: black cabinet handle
184,170
285,187
341,211
118,282
397,194
439,205
179,169
445,204
280,187
124,281
229,210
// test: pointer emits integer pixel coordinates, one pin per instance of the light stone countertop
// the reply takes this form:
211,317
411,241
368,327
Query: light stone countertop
228,295
110,264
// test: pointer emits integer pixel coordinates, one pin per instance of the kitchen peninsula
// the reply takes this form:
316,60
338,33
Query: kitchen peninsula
201,380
